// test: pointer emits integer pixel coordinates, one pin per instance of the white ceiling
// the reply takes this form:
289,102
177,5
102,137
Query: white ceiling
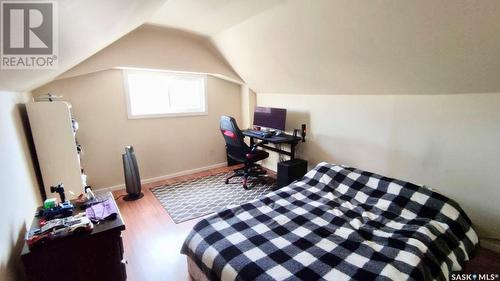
302,46
351,46
208,17
85,27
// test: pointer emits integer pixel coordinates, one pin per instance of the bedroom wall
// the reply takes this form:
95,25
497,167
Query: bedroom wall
163,146
449,142
18,182
248,100
358,69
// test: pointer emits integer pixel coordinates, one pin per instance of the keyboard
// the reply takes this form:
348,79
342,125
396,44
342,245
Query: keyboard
262,133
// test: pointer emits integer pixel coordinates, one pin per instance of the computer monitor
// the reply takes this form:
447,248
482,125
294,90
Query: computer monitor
270,117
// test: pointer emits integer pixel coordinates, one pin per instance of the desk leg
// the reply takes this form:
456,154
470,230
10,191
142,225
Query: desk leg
251,142
292,151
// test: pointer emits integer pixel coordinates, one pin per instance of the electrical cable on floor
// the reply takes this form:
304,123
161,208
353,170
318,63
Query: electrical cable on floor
281,158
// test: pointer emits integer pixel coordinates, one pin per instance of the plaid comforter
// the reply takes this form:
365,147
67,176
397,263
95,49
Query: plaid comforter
337,223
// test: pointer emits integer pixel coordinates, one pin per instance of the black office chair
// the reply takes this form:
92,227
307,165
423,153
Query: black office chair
240,152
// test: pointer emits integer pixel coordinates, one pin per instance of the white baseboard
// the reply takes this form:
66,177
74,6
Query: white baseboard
164,177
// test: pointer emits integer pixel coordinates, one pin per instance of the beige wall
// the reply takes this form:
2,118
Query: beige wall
368,47
18,183
450,142
163,146
248,100
158,48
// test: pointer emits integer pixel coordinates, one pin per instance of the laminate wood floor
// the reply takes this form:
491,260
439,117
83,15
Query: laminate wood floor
152,240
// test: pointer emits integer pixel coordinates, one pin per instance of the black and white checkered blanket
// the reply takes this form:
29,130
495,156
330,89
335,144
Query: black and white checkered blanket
337,223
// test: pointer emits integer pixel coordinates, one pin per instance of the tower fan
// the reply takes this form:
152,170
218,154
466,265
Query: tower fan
132,178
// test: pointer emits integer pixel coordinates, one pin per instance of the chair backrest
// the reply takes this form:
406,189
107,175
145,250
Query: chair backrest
235,145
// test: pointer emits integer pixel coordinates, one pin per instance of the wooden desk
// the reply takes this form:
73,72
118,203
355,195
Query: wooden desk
96,256
281,139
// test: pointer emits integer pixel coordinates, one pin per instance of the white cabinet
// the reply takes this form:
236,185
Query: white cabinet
56,149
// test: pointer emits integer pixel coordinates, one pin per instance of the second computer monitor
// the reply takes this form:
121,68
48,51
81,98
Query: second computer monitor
270,117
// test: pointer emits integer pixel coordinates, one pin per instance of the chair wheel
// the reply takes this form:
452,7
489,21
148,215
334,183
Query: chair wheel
227,181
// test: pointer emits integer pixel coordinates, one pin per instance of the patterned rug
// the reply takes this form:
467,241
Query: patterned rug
199,197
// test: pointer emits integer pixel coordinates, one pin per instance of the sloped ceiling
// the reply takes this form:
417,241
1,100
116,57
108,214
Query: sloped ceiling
154,47
352,46
208,17
308,47
85,27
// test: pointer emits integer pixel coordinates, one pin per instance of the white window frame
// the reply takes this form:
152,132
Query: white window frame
162,115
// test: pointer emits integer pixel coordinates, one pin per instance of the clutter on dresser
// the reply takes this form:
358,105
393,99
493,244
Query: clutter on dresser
56,220
105,210
88,198
47,254
53,229
51,209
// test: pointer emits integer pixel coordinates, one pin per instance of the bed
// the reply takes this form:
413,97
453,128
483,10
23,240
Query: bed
336,223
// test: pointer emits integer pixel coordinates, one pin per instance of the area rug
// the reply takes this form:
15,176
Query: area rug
202,196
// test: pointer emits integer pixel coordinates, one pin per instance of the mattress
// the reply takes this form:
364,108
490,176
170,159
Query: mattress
194,271
337,223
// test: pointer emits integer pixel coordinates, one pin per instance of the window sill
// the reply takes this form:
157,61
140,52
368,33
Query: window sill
166,115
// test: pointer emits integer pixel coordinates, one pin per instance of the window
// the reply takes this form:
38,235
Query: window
157,94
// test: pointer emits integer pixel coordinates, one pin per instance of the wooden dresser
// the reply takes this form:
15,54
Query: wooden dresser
96,256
